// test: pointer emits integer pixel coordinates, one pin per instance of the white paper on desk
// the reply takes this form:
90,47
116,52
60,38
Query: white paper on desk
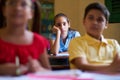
56,75
62,54
61,72
97,76
14,78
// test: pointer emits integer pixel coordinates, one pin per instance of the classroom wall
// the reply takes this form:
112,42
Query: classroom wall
74,9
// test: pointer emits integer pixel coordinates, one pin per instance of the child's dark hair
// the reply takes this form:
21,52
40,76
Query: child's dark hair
60,15
2,19
99,7
36,26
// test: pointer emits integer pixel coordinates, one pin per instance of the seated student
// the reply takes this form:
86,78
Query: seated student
21,51
62,34
93,52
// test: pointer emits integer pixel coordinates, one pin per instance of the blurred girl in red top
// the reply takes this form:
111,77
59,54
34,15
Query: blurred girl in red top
16,40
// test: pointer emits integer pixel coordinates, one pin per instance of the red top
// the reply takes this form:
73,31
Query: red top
8,51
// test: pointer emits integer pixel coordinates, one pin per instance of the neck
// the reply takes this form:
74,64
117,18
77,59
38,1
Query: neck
16,30
64,35
98,37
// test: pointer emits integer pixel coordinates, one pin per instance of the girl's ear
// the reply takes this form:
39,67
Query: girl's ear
31,14
69,25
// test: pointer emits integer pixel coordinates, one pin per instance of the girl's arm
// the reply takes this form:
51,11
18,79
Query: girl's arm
42,64
44,60
64,52
12,69
8,69
54,44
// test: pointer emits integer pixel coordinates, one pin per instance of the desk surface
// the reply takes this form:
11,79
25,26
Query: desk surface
64,75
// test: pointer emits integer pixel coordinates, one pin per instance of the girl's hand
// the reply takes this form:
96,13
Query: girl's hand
12,69
56,30
34,65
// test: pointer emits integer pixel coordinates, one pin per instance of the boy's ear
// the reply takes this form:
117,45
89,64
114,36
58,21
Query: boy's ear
106,25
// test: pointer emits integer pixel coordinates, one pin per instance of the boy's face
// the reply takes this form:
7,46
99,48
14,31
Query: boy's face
95,23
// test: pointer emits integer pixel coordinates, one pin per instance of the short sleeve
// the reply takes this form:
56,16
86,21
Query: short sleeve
117,46
53,36
76,49
41,43
47,44
77,34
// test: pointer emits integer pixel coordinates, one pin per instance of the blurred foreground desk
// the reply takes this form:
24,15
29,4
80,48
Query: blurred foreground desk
59,62
64,75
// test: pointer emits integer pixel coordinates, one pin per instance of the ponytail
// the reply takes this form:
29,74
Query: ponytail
36,26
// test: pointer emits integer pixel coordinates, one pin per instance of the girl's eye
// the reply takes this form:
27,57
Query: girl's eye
24,4
11,3
64,23
58,24
14,3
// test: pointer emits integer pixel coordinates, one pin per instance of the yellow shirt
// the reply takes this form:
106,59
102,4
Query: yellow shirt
95,51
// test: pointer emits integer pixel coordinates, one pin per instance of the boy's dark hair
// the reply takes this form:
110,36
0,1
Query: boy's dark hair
36,26
99,7
60,15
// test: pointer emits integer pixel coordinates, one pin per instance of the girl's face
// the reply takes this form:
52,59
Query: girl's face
95,23
18,11
62,24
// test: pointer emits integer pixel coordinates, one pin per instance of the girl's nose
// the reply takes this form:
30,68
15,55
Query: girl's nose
62,26
18,6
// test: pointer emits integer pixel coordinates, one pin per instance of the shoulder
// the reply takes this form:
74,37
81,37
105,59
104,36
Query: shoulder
112,41
78,40
73,33
40,39
77,34
38,36
52,36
